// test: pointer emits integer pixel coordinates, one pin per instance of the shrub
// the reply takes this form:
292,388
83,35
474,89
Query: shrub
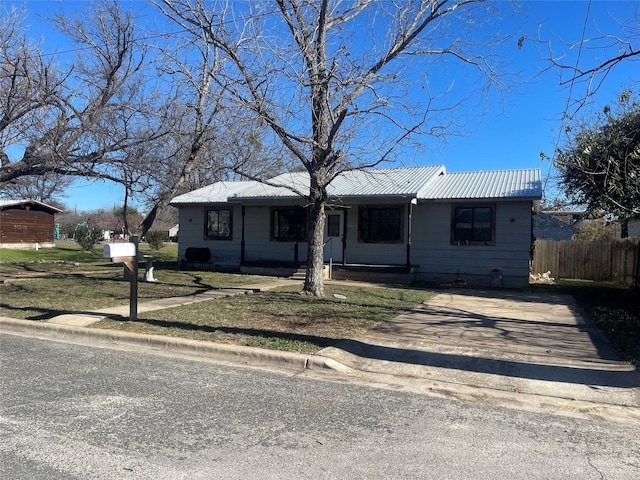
155,238
87,236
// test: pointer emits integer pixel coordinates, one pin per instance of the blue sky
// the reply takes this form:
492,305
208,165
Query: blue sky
510,134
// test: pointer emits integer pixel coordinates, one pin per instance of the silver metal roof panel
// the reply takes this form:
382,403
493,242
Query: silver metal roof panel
355,183
219,192
491,184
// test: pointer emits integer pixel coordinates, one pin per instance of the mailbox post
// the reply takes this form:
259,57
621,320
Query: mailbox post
127,254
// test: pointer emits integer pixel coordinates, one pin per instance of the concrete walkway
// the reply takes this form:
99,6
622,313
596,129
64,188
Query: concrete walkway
84,319
533,351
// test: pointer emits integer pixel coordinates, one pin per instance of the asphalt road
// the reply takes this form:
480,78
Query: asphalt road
80,412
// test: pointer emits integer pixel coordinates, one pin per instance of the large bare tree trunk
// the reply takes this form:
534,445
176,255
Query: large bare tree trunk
314,280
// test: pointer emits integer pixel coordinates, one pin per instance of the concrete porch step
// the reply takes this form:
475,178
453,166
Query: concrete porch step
299,274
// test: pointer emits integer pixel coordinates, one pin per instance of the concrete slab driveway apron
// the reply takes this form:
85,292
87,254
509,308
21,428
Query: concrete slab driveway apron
541,344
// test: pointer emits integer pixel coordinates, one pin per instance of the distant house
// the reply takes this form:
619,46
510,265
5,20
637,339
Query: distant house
570,217
633,227
547,227
433,226
25,223
173,233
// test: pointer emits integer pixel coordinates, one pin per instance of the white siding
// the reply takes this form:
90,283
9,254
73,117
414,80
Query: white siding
224,253
374,253
437,260
258,242
432,254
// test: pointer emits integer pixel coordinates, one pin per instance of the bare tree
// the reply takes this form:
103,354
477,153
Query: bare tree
44,188
80,118
208,136
341,84
589,62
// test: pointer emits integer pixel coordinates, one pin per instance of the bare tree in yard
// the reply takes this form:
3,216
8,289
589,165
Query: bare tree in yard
583,67
77,119
197,149
341,84
45,188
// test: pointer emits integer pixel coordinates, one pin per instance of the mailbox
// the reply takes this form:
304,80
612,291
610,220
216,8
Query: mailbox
119,250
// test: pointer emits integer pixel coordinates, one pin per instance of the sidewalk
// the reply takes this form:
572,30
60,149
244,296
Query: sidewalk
84,319
501,348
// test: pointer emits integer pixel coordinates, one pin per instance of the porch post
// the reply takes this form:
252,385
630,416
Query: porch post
242,244
297,244
410,214
344,236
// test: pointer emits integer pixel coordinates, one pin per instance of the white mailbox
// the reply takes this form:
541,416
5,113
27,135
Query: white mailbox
119,250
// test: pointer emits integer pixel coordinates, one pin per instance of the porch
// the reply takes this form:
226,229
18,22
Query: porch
393,274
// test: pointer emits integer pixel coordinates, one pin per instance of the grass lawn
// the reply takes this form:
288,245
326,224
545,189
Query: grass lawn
281,319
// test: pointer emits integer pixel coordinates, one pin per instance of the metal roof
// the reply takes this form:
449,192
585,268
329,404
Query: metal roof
385,182
391,182
492,184
427,183
10,203
219,192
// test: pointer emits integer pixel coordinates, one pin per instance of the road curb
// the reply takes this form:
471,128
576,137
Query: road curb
236,354
292,362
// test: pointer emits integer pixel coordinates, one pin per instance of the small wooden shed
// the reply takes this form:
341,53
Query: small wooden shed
26,222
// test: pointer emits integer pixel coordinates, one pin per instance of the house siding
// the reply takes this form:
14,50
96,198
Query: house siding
436,260
258,242
224,253
359,252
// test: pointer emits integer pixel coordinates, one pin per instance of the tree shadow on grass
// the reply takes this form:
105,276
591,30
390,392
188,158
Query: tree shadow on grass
319,341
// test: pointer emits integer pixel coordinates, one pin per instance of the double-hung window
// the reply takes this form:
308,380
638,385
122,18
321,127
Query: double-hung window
219,224
473,225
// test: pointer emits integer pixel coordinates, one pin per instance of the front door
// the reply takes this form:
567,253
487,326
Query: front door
333,234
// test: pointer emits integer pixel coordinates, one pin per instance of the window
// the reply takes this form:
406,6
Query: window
333,224
219,224
380,224
473,225
289,224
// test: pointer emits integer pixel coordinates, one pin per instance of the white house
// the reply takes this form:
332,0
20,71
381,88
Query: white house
475,227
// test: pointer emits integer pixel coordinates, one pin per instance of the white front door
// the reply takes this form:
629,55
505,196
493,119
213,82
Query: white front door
333,233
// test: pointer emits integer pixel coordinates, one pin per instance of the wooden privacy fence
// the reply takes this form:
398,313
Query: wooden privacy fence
617,260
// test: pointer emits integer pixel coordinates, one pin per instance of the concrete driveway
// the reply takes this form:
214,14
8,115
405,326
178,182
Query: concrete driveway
539,344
